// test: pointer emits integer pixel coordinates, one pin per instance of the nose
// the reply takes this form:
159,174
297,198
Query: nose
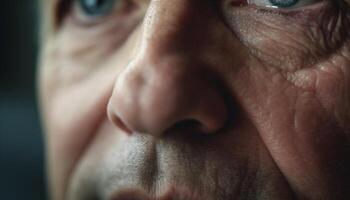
166,86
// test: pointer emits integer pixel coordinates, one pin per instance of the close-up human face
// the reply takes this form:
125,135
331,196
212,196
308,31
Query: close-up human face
196,99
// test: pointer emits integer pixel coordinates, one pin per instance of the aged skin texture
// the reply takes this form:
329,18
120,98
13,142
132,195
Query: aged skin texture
196,99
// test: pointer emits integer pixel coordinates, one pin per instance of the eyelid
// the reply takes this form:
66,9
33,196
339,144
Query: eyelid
71,9
112,5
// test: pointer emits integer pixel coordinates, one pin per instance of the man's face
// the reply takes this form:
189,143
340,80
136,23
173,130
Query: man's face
197,99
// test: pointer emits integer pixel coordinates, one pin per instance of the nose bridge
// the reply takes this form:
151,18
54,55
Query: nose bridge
169,24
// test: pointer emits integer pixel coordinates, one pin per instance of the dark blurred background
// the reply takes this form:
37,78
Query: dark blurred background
21,146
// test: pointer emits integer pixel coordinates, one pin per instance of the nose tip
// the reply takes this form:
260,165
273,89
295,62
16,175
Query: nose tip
161,97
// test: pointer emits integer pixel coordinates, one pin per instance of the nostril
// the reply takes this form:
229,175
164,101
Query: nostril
120,124
187,124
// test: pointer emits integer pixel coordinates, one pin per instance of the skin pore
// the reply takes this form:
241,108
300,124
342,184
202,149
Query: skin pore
197,99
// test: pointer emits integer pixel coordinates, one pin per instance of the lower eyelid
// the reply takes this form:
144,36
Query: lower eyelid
296,5
323,25
292,10
303,15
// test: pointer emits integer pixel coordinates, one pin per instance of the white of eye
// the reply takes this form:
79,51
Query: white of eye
284,4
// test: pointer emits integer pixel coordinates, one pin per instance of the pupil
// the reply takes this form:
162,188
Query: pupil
283,3
94,3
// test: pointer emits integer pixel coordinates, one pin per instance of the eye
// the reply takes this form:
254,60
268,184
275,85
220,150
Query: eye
96,8
283,3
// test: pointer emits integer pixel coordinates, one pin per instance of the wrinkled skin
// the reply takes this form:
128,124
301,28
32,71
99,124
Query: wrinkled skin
197,99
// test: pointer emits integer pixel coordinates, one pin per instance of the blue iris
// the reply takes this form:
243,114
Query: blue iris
97,7
283,3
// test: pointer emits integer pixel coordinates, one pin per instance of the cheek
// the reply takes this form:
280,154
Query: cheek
299,133
333,88
72,116
77,74
329,81
74,101
287,87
